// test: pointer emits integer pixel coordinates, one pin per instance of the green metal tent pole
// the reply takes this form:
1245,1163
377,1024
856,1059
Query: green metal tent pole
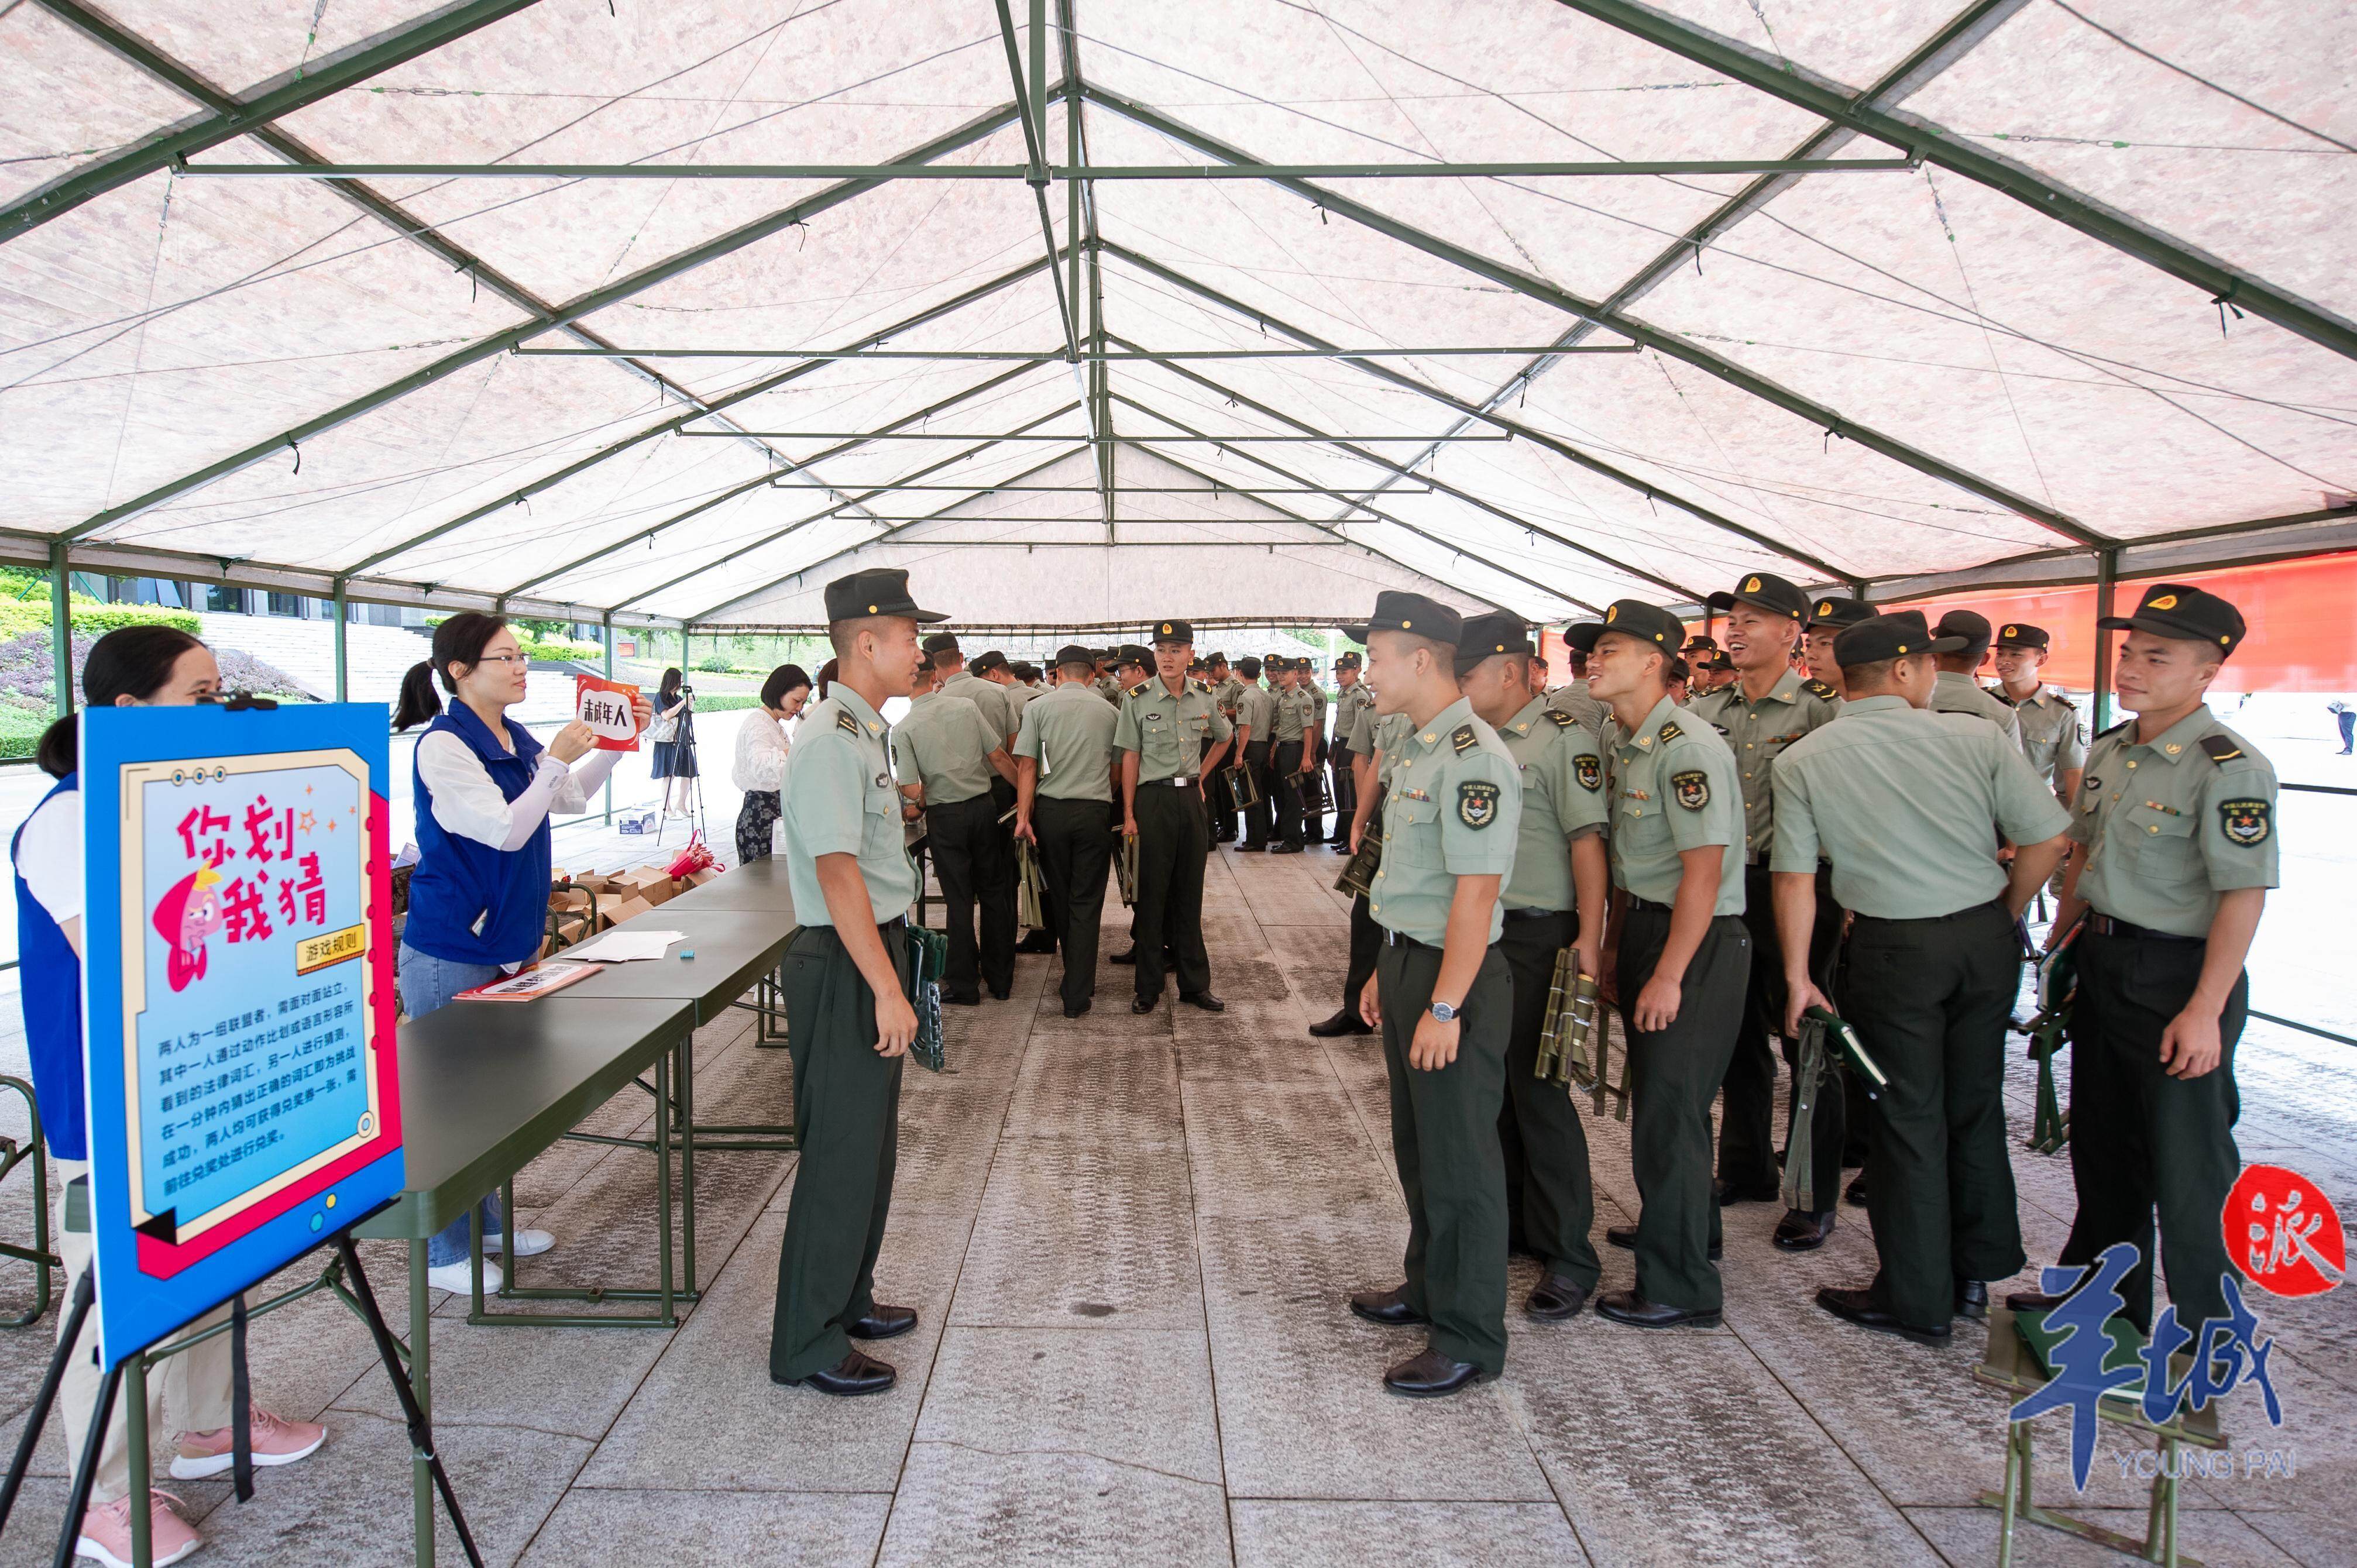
343,613
1437,351
1074,171
61,627
2107,571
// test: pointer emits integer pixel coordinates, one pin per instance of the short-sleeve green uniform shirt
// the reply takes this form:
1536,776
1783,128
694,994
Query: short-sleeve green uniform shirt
1256,707
1674,788
996,707
1454,809
1167,733
1296,709
1069,733
945,745
1562,768
2171,825
2052,737
1955,694
838,798
1757,733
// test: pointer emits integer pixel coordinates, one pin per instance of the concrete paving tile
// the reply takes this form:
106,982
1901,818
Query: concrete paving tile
1340,1535
2213,1535
960,1506
1073,1233
2310,1540
1106,1096
707,1417
1129,1397
568,1380
1303,1412
949,1129
1260,1042
1276,1150
598,1527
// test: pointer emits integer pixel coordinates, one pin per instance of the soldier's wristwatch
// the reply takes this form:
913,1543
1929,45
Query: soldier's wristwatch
1444,1012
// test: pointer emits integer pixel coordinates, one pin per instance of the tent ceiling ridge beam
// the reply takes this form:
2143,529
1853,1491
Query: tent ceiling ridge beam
1670,343
801,523
588,304
677,426
1212,440
228,117
1033,113
1963,33
608,351
321,169
1513,427
981,487
1592,553
1934,145
844,501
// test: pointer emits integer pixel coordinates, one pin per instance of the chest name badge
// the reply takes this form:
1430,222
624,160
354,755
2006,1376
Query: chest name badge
1477,803
2245,823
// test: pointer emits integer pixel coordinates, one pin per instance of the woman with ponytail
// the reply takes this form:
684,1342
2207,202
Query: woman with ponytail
136,666
478,896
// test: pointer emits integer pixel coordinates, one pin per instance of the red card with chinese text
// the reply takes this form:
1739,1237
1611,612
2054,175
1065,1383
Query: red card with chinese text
605,706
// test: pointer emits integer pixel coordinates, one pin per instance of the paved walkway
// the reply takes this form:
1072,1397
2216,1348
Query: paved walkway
1130,1239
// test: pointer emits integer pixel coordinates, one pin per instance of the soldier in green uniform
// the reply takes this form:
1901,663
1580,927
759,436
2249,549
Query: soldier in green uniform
2173,850
1292,757
1957,692
1352,696
956,681
1108,682
1768,708
1554,898
1255,716
1374,738
1442,997
1684,958
1063,805
1315,800
1574,700
1162,725
2052,737
1227,692
947,757
849,1021
1827,616
1907,805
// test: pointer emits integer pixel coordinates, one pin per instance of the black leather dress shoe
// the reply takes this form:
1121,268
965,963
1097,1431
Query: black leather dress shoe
1388,1307
1746,1192
2031,1301
1627,1306
883,1322
950,999
1127,956
1345,1022
1556,1298
855,1375
1801,1231
1038,942
1285,849
1252,849
1856,1192
1859,1307
1143,1004
998,996
1626,1236
1073,1010
1972,1300
1203,999
1428,1374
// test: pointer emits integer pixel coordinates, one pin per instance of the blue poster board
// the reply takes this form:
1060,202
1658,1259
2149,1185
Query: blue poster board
237,999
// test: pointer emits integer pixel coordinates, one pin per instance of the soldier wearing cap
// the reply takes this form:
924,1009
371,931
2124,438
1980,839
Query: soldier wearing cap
2052,737
1315,802
1227,692
1255,716
1442,996
1957,692
1827,615
956,681
1685,956
1162,726
1769,708
1108,680
1351,696
1573,697
995,668
1373,743
1063,805
1908,806
1292,757
1554,898
2173,850
947,760
846,976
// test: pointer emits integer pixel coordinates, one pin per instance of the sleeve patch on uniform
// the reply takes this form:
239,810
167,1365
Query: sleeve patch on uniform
1464,740
1477,801
1588,769
2220,749
2247,822
1693,787
844,721
1816,688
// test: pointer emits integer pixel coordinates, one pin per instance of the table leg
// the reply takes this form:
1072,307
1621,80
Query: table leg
134,1437
687,1161
421,1356
669,1315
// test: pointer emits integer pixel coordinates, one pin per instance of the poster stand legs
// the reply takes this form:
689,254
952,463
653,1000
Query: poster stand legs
39,1416
421,1428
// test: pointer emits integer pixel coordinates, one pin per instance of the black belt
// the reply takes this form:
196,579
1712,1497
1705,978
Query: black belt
1393,939
1928,919
1157,783
2106,926
1637,903
1538,914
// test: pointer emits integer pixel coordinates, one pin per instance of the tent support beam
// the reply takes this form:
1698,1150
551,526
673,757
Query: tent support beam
60,629
228,117
1668,343
1031,109
2107,571
1795,85
1074,170
499,342
343,613
1561,448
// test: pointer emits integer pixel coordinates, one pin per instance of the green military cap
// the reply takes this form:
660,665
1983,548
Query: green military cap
1970,625
1348,661
1396,611
1074,653
1487,636
1173,631
986,662
1630,617
1698,643
1216,660
1131,653
1676,669
1894,635
1720,661
1835,611
938,644
878,591
1764,592
2018,635
2185,612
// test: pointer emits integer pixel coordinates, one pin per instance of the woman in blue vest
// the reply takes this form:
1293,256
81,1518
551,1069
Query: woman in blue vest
137,666
478,896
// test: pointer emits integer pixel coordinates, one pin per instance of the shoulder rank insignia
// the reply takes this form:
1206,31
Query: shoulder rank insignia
1138,690
1465,740
1671,731
1692,788
1562,720
2220,749
1816,688
1202,685
844,722
2117,728
1477,801
2245,823
1589,768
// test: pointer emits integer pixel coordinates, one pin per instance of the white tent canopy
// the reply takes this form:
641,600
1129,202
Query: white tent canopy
2099,309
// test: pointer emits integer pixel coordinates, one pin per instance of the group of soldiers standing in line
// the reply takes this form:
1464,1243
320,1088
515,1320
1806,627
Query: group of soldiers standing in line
1846,825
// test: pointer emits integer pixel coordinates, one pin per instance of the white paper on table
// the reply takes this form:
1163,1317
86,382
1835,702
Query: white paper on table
622,946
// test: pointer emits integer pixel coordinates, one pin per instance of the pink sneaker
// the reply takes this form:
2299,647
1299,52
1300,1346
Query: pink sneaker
275,1442
106,1531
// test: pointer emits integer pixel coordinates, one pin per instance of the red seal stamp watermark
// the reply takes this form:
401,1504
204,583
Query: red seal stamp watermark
2284,1233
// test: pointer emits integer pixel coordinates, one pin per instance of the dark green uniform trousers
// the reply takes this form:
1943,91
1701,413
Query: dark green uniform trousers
2141,1140
1929,999
1745,1156
1285,762
1258,815
1673,1075
1550,1201
1174,836
847,1120
1444,1137
1076,843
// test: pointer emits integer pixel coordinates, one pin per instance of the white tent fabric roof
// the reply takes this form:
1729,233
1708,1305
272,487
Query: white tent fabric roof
1854,378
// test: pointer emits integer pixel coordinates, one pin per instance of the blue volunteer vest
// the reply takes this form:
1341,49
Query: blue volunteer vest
50,989
468,902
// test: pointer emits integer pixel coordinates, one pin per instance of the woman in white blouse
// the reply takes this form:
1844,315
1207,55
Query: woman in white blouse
760,764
